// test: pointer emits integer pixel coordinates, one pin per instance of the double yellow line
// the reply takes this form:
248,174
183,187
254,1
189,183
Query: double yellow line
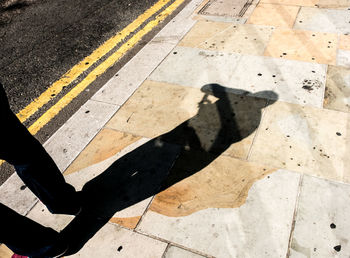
82,66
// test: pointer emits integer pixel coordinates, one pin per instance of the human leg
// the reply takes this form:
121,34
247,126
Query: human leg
33,164
26,237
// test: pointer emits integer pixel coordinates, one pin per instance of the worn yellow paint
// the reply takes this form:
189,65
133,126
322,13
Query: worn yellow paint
111,60
82,66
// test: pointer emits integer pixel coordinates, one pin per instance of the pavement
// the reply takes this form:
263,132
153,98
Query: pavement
227,135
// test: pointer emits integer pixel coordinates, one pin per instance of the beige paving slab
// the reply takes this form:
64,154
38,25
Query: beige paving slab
334,4
343,58
344,42
102,162
5,252
233,38
228,209
223,7
113,241
303,45
337,95
175,252
323,210
189,117
305,139
274,15
323,20
292,2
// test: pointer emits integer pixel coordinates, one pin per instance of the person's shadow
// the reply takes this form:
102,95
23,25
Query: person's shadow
146,171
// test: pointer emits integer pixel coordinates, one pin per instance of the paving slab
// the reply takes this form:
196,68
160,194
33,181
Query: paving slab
323,210
323,20
213,18
113,241
68,141
233,38
291,81
214,213
302,45
337,95
274,15
175,252
15,195
304,139
334,4
343,58
224,123
223,7
292,2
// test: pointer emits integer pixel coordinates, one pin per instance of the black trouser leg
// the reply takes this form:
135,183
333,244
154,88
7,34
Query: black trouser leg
33,164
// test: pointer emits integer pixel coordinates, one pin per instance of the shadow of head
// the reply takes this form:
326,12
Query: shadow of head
224,117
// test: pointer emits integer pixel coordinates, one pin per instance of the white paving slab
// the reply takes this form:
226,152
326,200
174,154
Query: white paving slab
114,241
259,228
66,144
322,221
12,195
323,20
294,81
129,78
176,252
343,58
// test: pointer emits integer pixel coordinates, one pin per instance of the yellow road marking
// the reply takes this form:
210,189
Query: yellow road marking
64,101
83,65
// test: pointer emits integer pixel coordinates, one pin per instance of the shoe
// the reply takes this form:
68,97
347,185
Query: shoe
18,256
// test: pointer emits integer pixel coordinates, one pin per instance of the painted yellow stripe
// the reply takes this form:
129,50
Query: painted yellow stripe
82,66
64,101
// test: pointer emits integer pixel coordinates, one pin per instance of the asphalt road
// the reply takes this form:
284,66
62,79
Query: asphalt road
40,40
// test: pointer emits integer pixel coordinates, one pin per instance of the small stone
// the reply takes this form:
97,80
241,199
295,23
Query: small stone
23,187
339,134
333,225
120,248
